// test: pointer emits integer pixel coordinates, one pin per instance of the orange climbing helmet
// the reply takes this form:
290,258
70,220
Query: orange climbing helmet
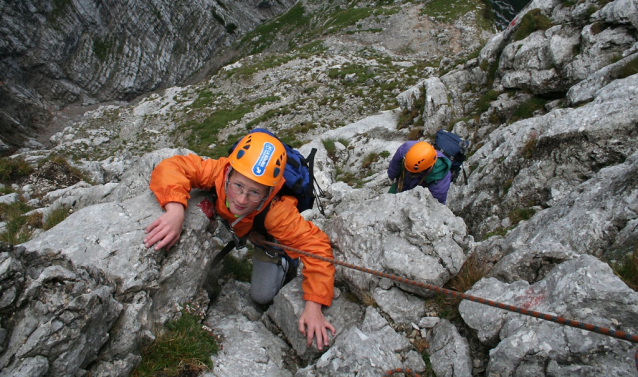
259,157
420,157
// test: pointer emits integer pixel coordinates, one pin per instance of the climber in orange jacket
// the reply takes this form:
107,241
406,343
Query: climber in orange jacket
246,182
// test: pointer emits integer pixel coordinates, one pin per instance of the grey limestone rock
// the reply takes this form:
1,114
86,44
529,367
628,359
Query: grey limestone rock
88,51
584,289
288,306
409,234
249,349
400,306
150,284
355,351
539,161
449,351
58,315
604,204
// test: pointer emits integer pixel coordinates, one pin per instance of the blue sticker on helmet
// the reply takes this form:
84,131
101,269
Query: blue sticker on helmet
264,158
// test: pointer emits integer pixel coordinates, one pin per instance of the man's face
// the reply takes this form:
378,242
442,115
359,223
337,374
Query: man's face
244,195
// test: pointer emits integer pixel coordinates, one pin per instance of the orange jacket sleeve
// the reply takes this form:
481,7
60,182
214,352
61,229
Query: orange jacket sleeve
289,228
173,178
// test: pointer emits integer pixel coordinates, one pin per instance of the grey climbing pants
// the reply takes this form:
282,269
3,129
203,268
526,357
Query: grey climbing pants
268,276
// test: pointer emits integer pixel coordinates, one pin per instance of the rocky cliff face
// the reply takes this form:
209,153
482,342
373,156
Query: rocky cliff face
53,53
548,202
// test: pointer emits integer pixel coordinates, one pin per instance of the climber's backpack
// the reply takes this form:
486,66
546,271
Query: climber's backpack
454,148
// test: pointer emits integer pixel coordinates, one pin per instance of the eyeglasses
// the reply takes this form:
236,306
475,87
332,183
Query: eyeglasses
252,195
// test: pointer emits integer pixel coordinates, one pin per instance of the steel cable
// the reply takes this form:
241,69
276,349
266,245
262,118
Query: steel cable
260,240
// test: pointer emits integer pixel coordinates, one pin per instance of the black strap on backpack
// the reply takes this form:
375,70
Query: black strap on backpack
316,189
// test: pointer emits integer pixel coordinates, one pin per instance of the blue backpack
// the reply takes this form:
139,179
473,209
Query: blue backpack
300,180
454,148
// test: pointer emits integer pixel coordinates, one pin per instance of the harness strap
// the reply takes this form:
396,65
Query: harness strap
400,180
220,256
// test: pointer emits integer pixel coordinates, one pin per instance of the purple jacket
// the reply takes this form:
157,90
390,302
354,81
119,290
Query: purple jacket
438,189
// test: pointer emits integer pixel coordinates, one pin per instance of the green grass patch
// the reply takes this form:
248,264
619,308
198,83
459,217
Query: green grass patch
373,30
102,48
615,58
267,62
204,99
289,135
272,113
494,118
331,149
240,269
204,133
406,118
55,217
416,69
519,214
221,147
429,372
362,74
528,148
602,3
507,185
59,9
60,160
526,109
184,346
491,71
449,11
532,21
267,33
12,169
631,68
627,268
483,103
516,216
345,17
267,99
500,231
599,27
16,231
369,160
487,13
312,48
415,134
471,272
349,178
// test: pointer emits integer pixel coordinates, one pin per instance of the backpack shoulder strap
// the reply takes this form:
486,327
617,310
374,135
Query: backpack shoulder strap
259,221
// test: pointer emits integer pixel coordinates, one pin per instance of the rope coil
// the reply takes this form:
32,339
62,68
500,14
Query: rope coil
260,240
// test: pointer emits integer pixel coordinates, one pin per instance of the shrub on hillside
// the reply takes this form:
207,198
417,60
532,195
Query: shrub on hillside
532,21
